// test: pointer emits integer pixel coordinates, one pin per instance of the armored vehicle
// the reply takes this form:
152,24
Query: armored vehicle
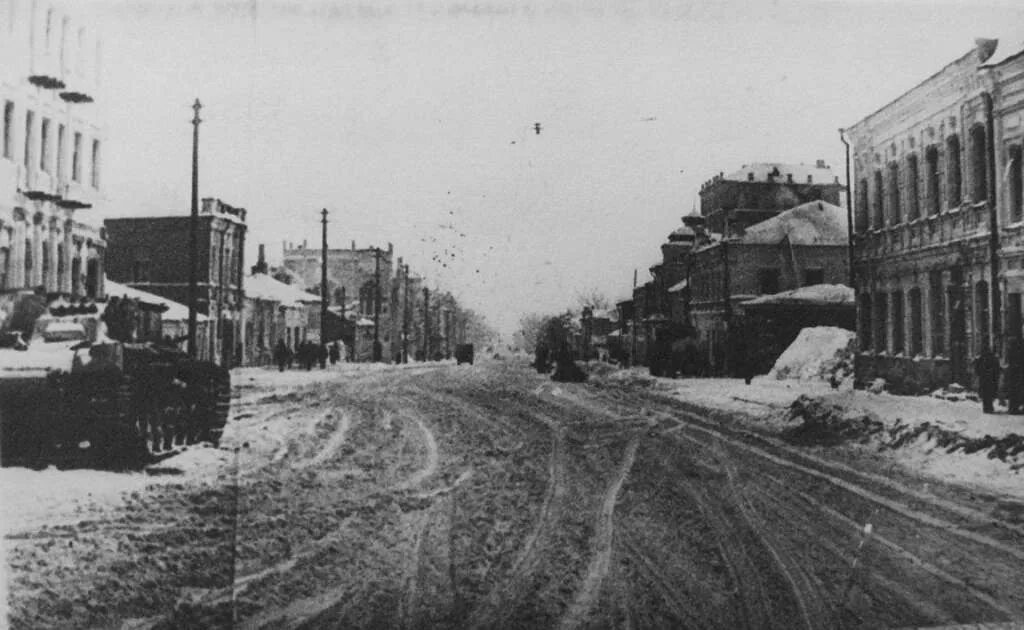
88,388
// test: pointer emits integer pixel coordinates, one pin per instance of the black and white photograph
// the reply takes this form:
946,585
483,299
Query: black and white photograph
532,314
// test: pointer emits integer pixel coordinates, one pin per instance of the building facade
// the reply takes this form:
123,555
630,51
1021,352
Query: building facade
805,245
51,146
366,275
759,191
938,222
151,253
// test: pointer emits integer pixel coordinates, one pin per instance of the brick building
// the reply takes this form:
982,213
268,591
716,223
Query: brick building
802,246
354,274
151,253
51,144
934,170
759,191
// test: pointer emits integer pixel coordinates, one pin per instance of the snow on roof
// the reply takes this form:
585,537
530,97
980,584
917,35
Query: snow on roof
812,223
779,171
823,294
263,287
175,311
679,286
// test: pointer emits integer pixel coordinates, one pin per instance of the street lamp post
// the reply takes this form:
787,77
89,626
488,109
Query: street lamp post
323,289
193,235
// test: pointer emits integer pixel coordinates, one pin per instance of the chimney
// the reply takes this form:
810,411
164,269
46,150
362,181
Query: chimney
261,263
353,245
789,178
821,164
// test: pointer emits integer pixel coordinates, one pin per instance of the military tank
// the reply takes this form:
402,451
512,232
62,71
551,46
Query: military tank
86,389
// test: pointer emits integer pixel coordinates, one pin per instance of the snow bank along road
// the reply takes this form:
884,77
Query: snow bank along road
488,496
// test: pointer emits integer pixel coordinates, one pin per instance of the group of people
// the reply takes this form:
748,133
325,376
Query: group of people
307,353
988,368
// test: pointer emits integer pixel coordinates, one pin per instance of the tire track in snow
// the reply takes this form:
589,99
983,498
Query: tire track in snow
587,594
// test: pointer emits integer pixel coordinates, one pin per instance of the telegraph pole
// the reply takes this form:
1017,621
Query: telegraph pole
376,305
405,315
323,288
193,235
426,324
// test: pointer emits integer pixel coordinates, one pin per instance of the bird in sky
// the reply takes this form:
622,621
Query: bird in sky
649,119
536,128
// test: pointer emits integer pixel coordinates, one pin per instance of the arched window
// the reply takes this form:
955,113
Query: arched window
893,188
979,164
954,188
878,219
913,201
862,206
1016,184
932,178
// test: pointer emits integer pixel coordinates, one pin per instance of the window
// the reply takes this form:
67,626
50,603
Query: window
95,164
937,312
881,321
916,325
878,220
60,152
814,276
140,271
30,120
979,163
76,158
46,260
981,310
898,323
28,262
954,187
768,281
864,321
60,262
913,201
862,206
895,212
44,145
8,130
1016,184
932,177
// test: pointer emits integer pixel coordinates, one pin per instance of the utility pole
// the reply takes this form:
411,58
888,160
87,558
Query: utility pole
323,289
727,298
193,235
376,305
426,324
632,357
405,314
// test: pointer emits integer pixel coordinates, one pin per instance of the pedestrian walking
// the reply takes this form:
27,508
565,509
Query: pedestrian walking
282,356
986,367
335,353
1013,377
321,352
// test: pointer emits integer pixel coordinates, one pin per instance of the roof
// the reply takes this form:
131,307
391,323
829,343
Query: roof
175,311
261,286
812,223
679,286
761,170
814,295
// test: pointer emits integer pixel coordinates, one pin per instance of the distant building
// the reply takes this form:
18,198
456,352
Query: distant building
275,311
933,170
51,147
151,253
759,191
352,274
805,245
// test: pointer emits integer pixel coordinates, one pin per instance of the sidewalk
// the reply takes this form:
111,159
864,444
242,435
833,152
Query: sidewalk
949,440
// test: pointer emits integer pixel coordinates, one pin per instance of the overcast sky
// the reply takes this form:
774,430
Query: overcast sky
413,124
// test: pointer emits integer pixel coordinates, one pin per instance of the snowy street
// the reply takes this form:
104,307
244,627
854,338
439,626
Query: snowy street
436,495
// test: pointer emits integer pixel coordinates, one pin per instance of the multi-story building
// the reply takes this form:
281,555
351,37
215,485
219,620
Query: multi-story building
51,144
759,191
365,274
934,172
805,245
151,253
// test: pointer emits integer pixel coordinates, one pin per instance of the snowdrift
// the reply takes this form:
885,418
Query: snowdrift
819,353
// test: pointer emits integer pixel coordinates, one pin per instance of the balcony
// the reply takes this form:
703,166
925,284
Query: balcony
967,221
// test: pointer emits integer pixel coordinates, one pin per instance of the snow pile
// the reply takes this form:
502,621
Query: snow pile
956,393
829,422
819,353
